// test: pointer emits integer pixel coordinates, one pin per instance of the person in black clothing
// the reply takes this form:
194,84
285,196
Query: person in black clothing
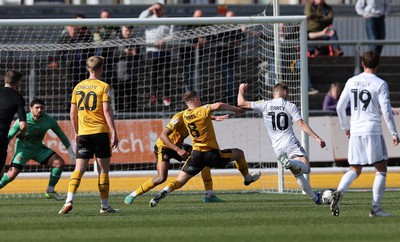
106,32
227,56
75,60
103,34
11,102
128,58
192,57
158,54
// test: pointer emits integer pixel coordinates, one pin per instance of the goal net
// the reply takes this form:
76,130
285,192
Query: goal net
150,64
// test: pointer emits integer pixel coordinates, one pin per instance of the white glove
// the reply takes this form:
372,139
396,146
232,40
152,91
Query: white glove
72,155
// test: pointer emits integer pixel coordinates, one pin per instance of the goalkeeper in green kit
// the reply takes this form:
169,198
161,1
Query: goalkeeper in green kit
30,146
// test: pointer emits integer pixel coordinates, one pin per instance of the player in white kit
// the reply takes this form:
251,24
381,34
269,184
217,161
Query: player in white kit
279,115
369,100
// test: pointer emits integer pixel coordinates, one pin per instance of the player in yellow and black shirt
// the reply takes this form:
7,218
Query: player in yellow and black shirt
206,152
94,127
170,145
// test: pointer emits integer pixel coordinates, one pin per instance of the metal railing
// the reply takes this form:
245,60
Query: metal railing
357,47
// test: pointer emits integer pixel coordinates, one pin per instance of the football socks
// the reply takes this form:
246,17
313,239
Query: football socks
378,189
173,185
305,186
4,181
207,180
55,175
242,166
145,187
346,181
74,181
104,185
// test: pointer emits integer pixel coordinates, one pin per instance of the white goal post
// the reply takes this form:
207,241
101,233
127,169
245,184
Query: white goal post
211,55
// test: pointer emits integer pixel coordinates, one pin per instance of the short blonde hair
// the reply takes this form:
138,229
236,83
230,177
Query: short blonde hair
94,63
12,77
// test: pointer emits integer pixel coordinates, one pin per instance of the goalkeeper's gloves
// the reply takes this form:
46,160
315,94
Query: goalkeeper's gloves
72,155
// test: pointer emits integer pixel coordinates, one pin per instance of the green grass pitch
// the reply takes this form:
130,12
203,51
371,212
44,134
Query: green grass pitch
185,218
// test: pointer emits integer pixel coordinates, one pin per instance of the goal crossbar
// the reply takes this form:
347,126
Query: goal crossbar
155,21
42,79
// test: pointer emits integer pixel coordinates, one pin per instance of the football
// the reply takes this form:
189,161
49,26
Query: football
327,196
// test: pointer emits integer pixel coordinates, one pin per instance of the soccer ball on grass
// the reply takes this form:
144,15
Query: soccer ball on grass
327,196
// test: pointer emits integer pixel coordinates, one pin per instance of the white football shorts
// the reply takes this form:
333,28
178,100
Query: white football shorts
291,150
367,150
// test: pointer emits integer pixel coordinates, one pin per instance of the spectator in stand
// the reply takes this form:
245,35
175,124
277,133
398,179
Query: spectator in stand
106,33
311,89
332,97
158,55
326,32
69,31
192,57
197,13
128,57
74,60
289,33
374,12
228,48
319,16
103,33
84,35
80,16
82,29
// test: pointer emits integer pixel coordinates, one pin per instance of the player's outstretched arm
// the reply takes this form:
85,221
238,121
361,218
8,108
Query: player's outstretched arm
220,118
241,96
60,134
226,107
64,139
306,128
